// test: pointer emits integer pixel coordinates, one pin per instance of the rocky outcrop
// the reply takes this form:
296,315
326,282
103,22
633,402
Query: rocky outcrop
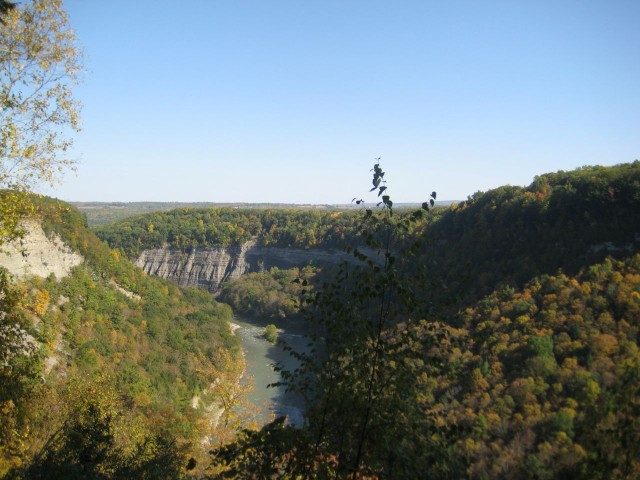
37,254
209,267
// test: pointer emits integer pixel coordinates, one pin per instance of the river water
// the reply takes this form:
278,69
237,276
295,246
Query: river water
261,357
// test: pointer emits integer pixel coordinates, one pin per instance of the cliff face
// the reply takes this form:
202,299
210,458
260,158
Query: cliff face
37,254
209,267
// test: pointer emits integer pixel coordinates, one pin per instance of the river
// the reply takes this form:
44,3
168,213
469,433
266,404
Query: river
261,357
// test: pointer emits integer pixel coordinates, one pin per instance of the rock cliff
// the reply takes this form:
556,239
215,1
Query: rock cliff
37,254
209,267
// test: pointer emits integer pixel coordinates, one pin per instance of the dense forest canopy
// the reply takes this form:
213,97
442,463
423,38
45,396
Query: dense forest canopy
190,228
272,294
506,236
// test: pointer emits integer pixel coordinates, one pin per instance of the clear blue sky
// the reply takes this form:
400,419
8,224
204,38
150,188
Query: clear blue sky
291,101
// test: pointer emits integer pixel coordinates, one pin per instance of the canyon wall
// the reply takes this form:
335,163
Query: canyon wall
209,267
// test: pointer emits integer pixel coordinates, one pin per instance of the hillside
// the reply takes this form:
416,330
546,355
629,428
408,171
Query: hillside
121,355
504,347
497,338
546,379
507,236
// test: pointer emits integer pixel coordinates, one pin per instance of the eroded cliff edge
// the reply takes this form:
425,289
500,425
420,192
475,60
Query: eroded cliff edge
37,254
209,267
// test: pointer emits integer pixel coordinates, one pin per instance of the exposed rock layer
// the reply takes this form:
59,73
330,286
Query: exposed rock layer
37,254
209,267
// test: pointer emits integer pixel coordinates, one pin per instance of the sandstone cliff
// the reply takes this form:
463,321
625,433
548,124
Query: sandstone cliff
209,267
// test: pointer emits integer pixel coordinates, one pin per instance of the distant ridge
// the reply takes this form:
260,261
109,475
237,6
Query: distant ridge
101,213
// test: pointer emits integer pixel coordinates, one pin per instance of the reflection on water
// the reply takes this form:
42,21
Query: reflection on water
261,357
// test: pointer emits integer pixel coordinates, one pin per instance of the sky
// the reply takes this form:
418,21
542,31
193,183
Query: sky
294,100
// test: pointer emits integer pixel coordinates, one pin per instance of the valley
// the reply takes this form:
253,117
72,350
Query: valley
491,339
187,293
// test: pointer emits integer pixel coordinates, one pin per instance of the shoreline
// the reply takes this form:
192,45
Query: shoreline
213,411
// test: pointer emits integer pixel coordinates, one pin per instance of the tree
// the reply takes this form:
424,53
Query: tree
368,358
270,333
39,65
5,7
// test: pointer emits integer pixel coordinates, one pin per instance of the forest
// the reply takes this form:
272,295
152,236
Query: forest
492,338
102,213
496,338
121,355
191,228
